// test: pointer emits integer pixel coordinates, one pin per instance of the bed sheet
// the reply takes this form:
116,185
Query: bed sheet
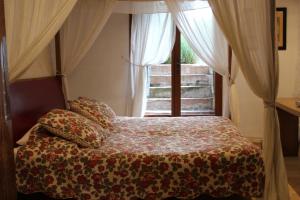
148,158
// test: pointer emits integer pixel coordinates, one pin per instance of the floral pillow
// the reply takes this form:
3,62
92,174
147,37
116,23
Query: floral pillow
73,127
100,113
38,132
26,136
105,109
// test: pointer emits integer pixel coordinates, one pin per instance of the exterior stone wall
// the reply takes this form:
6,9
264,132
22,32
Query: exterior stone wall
197,88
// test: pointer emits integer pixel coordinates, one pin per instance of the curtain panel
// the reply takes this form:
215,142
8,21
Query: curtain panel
151,7
80,31
43,65
30,27
152,40
249,28
202,32
233,96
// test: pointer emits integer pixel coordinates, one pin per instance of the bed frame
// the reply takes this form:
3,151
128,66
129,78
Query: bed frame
7,166
22,103
32,98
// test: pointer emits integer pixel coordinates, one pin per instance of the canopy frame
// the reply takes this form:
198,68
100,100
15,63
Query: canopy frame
7,164
7,168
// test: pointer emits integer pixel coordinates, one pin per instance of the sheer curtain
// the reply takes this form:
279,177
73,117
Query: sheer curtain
80,31
249,28
148,7
30,27
202,32
152,39
233,93
43,65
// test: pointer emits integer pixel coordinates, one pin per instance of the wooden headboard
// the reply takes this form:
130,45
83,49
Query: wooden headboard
32,98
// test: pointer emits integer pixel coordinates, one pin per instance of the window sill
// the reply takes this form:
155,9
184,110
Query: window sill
183,114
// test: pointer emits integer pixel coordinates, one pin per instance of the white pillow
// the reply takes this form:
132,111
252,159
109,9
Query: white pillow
25,137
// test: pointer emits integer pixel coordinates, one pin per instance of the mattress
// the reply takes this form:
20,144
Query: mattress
148,158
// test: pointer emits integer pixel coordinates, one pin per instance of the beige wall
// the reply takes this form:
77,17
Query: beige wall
289,59
103,73
250,106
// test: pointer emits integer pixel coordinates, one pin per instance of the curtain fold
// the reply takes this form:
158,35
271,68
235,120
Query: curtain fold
30,27
202,32
152,40
234,103
249,28
80,31
151,7
42,66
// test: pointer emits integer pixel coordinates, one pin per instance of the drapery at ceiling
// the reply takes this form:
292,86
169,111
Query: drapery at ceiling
30,26
80,31
247,25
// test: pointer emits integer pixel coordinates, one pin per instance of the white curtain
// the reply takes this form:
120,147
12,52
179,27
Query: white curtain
80,31
42,66
249,28
202,32
148,7
152,39
30,27
234,103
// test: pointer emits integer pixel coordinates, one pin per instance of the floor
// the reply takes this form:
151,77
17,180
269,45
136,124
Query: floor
293,172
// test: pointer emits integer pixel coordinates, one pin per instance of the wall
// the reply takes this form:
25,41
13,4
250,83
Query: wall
103,73
251,107
105,57
289,59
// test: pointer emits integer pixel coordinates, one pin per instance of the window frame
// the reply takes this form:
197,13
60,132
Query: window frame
176,88
176,84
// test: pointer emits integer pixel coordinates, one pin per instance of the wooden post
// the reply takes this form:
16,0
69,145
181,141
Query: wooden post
59,74
58,54
229,60
130,25
229,70
176,77
7,165
218,94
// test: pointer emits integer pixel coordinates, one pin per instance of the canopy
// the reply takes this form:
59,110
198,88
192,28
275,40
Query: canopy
148,7
248,26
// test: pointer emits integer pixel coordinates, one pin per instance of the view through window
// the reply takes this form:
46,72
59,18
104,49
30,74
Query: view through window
197,85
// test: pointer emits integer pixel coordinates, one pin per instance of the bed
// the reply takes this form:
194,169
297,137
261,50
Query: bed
143,158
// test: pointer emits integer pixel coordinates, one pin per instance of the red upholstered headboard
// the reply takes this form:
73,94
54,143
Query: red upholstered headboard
32,98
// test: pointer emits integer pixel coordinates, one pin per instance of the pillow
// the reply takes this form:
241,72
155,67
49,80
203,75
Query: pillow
37,132
25,137
105,109
73,127
100,113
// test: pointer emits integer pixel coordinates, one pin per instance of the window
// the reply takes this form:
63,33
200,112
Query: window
183,85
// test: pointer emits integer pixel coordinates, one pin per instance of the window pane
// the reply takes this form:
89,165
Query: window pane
159,94
197,83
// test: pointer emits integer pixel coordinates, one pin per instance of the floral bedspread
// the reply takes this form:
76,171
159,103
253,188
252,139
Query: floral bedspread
148,158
